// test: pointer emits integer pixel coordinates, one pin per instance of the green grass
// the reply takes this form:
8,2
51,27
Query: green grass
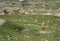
35,27
29,21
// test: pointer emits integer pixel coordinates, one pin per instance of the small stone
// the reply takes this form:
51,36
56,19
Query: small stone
2,21
48,21
48,14
24,31
17,30
57,10
45,32
26,12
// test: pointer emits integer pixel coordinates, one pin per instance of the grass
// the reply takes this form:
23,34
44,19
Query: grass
33,23
28,21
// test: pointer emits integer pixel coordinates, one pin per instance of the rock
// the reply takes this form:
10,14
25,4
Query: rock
58,14
2,21
8,10
24,31
45,32
48,21
48,14
26,12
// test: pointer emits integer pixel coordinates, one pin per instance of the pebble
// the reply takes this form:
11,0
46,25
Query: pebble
57,14
57,10
48,21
